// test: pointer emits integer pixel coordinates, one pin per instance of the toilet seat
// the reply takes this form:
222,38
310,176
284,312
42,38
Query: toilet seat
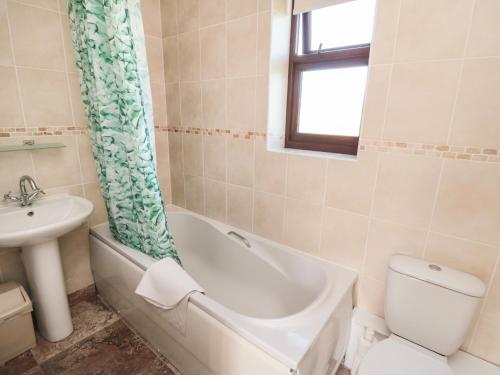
396,356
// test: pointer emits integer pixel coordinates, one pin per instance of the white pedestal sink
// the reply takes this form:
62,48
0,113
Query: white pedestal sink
36,229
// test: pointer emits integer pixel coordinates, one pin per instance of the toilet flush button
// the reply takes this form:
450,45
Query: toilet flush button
434,267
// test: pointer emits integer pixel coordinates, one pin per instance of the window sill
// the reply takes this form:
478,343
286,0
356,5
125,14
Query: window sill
314,154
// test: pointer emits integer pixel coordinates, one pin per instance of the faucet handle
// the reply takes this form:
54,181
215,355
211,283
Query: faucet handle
9,197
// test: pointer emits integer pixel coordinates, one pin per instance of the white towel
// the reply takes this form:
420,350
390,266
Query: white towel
168,286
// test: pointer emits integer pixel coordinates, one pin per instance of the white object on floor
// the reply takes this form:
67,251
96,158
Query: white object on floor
167,286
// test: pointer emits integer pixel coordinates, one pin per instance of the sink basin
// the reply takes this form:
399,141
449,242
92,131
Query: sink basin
36,229
45,220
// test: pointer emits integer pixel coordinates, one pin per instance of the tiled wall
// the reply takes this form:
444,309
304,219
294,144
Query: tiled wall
40,99
427,179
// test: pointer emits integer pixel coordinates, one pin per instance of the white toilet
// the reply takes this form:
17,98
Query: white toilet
428,309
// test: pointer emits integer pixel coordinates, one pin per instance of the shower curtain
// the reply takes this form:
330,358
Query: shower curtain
109,48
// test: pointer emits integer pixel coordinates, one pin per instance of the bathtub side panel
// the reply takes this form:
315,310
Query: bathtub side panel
326,353
207,348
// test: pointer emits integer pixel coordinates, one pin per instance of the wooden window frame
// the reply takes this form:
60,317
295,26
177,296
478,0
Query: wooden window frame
310,60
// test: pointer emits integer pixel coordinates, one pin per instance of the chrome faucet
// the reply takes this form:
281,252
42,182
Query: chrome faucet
25,199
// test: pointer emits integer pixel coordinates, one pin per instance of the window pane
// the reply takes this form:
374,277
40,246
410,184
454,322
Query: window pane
331,101
342,25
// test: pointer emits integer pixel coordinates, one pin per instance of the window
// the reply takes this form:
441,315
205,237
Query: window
329,52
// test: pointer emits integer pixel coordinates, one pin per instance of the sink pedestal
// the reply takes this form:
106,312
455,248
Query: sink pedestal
46,279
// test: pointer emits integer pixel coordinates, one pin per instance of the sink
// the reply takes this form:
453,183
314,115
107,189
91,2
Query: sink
45,220
36,229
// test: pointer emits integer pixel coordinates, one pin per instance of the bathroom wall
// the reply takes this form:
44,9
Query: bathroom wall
40,99
426,180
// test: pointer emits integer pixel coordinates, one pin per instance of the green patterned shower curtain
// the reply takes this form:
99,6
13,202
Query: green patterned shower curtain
108,40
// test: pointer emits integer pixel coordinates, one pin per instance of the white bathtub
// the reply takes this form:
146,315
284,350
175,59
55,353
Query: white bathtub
268,309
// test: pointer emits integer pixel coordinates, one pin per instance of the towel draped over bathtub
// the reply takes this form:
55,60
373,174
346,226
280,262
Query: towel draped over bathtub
168,286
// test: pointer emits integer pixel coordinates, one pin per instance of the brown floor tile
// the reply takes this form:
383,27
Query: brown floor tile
88,317
24,364
343,371
113,350
86,294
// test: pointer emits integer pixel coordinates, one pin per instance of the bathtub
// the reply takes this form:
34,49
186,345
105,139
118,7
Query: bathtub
268,309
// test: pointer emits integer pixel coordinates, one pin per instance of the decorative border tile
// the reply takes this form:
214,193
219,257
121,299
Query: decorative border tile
445,151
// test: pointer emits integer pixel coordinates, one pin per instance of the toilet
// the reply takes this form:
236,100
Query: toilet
428,310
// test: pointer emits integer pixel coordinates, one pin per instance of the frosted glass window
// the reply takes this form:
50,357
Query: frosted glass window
331,101
346,24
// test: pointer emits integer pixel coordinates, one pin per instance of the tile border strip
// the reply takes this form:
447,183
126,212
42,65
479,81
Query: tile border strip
471,153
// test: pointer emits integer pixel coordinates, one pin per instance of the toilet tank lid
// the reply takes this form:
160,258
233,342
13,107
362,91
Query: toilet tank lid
448,278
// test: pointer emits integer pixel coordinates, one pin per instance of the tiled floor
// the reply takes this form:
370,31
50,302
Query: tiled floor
101,344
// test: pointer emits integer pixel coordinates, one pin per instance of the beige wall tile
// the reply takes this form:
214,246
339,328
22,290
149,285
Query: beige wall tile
159,104
187,15
214,157
13,165
241,8
477,105
12,268
476,259
173,105
195,196
5,47
372,296
162,157
151,17
468,204
47,4
306,179
216,200
343,238
171,56
36,36
302,225
76,190
432,29
89,174
189,56
492,308
270,169
168,17
178,196
10,107
375,101
421,101
214,103
80,119
487,340
175,155
484,38
192,147
57,167
191,112
264,5
262,95
212,12
242,47
45,97
240,203
154,50
386,239
350,183
240,156
264,43
93,194
213,51
241,103
68,45
74,249
406,188
385,31
269,210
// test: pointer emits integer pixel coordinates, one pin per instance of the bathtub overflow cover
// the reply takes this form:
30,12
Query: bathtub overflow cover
31,213
434,267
